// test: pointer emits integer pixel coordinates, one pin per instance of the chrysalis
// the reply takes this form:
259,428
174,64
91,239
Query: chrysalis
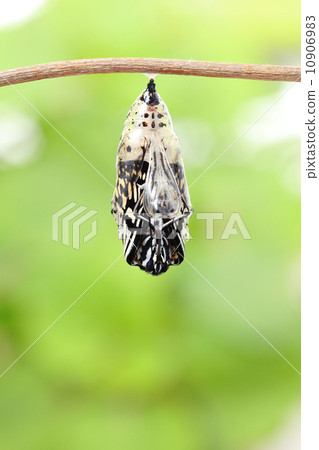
151,203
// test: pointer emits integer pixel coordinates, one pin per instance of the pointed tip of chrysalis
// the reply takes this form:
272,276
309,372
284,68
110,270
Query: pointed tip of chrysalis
151,96
151,87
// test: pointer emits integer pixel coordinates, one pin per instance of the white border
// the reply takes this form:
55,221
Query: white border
309,255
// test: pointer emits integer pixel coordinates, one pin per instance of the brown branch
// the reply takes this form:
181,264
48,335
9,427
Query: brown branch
151,66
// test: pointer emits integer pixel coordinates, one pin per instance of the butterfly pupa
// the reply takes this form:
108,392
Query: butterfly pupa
151,203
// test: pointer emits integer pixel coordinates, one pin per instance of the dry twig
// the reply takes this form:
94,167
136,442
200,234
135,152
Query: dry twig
151,66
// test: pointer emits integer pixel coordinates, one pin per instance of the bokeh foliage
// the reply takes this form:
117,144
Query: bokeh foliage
142,362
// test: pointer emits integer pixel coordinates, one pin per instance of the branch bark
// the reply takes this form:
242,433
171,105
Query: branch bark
150,66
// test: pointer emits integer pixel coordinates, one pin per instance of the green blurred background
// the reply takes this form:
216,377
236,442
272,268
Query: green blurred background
142,362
